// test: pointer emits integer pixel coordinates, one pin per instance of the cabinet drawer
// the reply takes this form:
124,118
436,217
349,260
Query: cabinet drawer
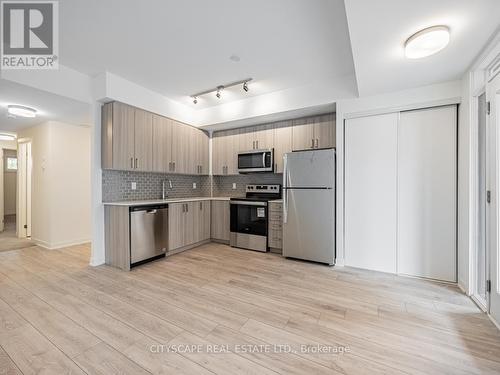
276,216
276,243
275,207
275,226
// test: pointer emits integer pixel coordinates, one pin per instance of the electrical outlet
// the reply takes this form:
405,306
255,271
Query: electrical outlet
194,185
134,186
234,185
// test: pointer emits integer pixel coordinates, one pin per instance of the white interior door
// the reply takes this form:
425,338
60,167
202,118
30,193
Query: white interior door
2,197
370,192
493,97
427,181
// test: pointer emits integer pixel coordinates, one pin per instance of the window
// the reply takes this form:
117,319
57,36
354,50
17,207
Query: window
12,164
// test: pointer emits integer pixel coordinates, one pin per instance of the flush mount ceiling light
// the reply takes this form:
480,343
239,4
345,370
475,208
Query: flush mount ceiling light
7,137
218,89
427,42
21,111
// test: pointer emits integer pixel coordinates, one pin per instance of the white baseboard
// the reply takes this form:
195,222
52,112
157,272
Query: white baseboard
59,245
94,262
494,321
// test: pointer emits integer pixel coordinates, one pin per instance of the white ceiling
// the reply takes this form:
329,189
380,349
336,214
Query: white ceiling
178,48
378,30
49,107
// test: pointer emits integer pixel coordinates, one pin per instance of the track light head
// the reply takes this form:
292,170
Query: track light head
245,86
195,100
219,89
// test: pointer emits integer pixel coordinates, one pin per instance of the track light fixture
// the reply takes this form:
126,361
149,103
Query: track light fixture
218,89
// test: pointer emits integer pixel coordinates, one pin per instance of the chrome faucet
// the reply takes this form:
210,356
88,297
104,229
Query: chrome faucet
164,194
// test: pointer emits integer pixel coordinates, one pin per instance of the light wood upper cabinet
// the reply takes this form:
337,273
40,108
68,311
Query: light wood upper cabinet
246,140
137,140
303,134
220,220
198,152
143,144
256,138
123,134
264,136
162,152
282,143
324,131
314,132
225,147
307,133
127,136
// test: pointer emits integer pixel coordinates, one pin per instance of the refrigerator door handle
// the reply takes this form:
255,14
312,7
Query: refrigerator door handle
285,190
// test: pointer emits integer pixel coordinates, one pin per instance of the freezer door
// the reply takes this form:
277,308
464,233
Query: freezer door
309,230
310,169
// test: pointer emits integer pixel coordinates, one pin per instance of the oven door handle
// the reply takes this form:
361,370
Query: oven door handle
249,203
264,159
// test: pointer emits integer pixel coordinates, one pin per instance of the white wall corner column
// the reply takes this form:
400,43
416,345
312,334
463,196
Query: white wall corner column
97,214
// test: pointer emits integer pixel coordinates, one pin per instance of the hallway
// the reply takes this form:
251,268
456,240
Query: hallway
8,238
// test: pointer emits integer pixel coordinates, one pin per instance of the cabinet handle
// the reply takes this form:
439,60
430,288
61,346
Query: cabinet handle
170,166
317,143
132,163
173,166
201,206
187,207
257,145
312,143
135,163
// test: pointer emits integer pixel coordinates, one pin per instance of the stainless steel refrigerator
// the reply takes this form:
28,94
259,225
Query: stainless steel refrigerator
309,205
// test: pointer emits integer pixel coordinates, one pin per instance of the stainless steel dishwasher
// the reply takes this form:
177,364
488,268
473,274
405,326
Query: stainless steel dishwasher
148,233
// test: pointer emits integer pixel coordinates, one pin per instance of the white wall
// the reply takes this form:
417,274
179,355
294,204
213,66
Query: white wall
61,183
427,96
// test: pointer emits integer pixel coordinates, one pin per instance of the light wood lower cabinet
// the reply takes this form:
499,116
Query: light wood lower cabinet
275,229
202,217
220,223
188,223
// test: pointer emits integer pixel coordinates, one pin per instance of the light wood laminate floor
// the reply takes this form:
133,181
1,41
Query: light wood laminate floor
58,316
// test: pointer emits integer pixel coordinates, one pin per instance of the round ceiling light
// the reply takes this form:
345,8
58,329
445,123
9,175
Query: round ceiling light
427,42
7,137
21,111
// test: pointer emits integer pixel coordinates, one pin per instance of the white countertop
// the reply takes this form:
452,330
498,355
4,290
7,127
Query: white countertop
163,201
276,201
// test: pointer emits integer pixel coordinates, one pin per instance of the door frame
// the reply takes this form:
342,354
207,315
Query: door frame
24,188
474,132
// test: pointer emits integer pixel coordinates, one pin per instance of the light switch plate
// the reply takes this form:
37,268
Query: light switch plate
194,185
134,186
234,185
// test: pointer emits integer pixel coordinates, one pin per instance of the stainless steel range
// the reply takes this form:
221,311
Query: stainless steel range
249,217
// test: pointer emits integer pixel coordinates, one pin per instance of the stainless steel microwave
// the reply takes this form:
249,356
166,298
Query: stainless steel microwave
256,161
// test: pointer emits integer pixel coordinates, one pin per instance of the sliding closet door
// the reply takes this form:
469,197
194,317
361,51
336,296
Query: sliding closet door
427,180
370,192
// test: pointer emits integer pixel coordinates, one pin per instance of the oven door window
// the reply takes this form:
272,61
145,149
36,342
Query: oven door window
249,161
249,219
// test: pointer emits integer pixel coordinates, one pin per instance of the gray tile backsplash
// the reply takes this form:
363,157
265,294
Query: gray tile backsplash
116,185
222,186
